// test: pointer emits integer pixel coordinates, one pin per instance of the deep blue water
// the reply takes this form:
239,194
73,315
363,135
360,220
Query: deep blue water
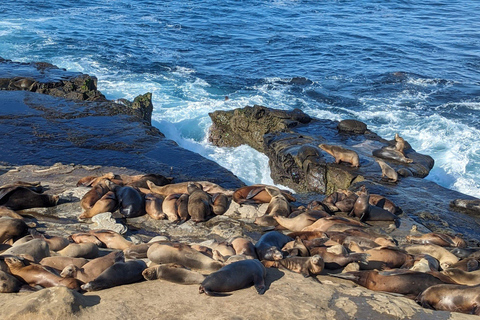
411,67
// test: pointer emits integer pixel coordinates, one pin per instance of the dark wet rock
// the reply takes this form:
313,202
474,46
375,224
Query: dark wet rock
142,105
291,139
467,206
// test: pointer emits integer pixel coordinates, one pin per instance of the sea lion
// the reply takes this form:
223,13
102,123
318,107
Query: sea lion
199,203
387,257
306,266
235,276
399,143
80,250
278,205
8,283
182,207
130,202
18,197
451,297
96,193
12,229
406,282
387,171
35,274
325,224
390,153
92,181
181,187
181,254
173,273
153,206
308,235
111,239
219,203
468,264
445,257
269,245
296,248
356,234
265,221
301,221
36,248
471,278
86,237
140,181
425,263
256,193
92,269
59,262
337,260
443,240
107,203
340,200
341,154
55,243
244,246
366,212
170,206
384,203
118,274
6,212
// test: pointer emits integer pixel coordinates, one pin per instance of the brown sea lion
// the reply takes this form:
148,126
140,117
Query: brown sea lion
384,203
341,154
257,194
301,221
86,237
308,235
390,153
451,297
92,269
55,243
8,283
182,207
12,229
387,171
361,205
80,250
181,187
471,278
403,281
235,276
219,203
387,257
445,257
153,206
96,193
325,224
337,260
306,266
244,246
107,203
140,181
199,203
6,212
137,251
17,197
425,263
443,240
92,181
181,254
111,239
296,248
278,205
118,274
269,245
340,200
59,262
173,273
399,143
467,264
35,274
36,248
170,206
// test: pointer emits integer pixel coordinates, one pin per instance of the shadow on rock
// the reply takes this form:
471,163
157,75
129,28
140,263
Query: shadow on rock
273,274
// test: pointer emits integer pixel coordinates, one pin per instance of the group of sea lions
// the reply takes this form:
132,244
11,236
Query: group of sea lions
327,237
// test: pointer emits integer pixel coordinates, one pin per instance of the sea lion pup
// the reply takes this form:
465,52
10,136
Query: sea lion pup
118,274
439,239
59,263
111,239
92,181
12,229
107,203
130,202
17,197
306,266
182,254
84,238
471,278
384,203
80,250
296,248
219,203
35,274
235,276
256,193
451,297
96,193
403,281
91,270
181,187
445,257
153,206
387,171
245,247
8,283
269,245
199,203
170,206
182,207
301,221
325,224
399,143
36,248
387,257
341,154
173,273
335,261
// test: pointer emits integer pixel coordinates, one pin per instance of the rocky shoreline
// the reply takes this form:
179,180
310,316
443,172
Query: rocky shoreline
57,128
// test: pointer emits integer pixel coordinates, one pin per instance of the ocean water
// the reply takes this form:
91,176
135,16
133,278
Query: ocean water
411,67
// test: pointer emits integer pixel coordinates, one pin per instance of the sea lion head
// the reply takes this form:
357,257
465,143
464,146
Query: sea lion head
273,254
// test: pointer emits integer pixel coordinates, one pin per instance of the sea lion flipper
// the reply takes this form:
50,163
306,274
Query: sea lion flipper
252,193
